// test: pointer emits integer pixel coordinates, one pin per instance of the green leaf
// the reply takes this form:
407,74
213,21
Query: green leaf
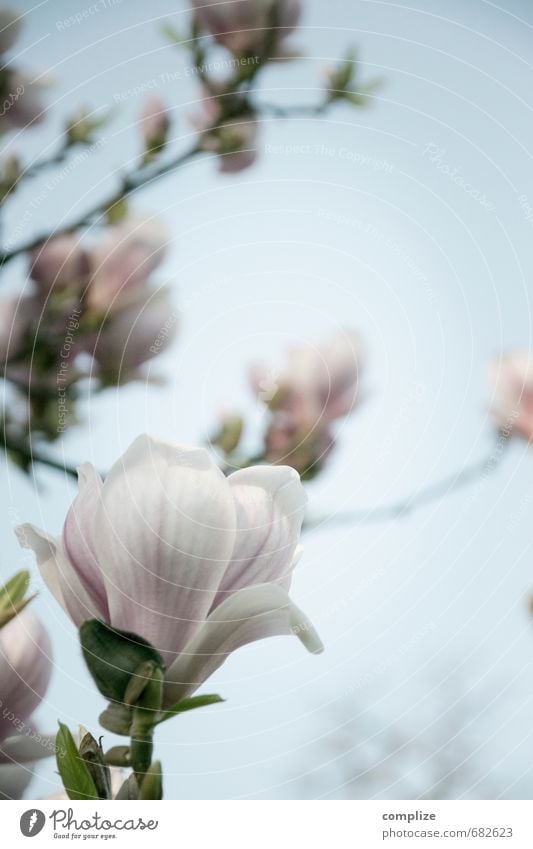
152,783
172,34
117,211
14,590
114,657
72,768
190,704
362,96
12,594
347,70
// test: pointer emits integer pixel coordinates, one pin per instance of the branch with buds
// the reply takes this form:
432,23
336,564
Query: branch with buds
93,316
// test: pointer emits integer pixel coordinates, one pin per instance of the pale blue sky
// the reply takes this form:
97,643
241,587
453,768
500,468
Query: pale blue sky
359,228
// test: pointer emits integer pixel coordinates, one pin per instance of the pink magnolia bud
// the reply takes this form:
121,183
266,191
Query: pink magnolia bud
139,331
60,263
320,382
125,261
512,379
295,442
235,142
168,547
244,26
155,123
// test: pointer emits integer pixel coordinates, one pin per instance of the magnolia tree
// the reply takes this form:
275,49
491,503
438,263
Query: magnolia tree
177,556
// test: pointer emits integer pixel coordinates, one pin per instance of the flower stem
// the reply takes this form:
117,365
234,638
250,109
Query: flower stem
145,714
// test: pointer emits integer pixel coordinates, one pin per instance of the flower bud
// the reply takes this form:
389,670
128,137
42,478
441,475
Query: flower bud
59,263
80,129
235,142
155,124
249,27
512,379
124,262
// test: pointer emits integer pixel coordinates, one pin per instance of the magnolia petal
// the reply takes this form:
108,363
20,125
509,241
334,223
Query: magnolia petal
165,529
27,748
78,536
14,779
125,261
58,574
25,669
270,503
251,614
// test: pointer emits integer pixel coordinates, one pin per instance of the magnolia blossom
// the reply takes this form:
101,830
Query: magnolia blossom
319,385
109,271
60,263
512,380
319,381
235,142
143,328
235,139
25,668
169,548
87,301
123,263
244,26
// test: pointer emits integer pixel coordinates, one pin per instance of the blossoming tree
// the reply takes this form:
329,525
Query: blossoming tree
175,557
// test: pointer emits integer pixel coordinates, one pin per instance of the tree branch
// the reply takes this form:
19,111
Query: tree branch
129,184
27,456
464,477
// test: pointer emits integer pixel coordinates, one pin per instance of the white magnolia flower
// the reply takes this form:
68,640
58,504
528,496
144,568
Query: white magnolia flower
169,548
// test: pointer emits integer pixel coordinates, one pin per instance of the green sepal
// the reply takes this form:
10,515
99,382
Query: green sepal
114,657
129,790
12,596
138,682
118,756
190,704
152,783
116,718
171,33
72,768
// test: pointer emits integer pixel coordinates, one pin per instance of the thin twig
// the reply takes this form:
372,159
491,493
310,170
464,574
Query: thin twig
43,164
30,456
477,471
295,111
129,184
132,182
